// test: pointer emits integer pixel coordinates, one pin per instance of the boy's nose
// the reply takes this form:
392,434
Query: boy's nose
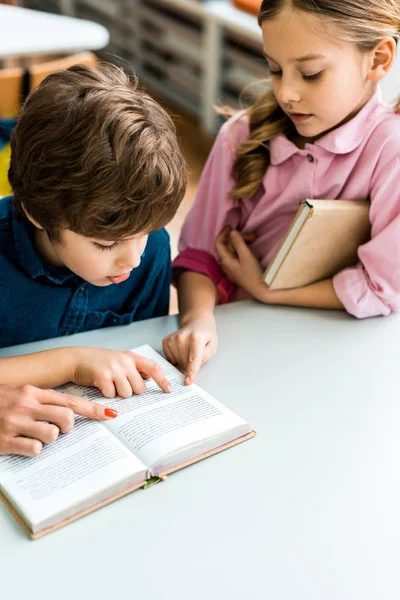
130,260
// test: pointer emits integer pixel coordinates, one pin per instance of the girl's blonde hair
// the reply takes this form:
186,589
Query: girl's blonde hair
362,22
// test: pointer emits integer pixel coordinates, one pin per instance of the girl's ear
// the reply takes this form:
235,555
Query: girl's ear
382,58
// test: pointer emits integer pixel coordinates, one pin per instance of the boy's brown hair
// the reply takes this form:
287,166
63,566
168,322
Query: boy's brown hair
93,153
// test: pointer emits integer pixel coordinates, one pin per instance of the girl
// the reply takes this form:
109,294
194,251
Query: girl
321,131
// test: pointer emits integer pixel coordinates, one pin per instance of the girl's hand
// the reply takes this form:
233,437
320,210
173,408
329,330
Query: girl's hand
192,345
31,417
240,264
116,373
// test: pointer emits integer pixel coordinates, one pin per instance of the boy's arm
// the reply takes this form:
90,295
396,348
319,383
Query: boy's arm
113,372
49,368
196,340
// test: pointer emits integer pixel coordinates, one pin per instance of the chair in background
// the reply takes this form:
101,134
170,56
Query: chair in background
15,85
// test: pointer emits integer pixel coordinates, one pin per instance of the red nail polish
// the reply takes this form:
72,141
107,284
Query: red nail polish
110,412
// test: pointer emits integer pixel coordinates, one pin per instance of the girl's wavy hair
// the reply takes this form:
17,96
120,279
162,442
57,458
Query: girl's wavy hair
362,22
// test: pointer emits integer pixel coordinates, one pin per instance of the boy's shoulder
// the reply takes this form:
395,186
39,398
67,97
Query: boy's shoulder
6,217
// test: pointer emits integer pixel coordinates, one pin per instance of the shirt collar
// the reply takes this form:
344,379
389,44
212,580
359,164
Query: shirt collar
29,258
342,140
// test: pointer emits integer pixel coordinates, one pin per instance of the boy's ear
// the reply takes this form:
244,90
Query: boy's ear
31,219
383,56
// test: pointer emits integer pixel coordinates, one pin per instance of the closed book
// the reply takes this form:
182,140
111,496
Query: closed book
322,239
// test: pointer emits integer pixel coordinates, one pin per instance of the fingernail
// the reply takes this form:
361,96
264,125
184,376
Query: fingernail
110,412
169,388
187,380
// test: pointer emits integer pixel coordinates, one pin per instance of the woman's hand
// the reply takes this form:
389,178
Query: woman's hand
31,417
192,345
116,373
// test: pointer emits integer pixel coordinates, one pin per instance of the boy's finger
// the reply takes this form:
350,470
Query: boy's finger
125,388
80,406
136,383
152,369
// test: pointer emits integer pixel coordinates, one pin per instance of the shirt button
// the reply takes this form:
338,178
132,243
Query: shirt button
81,289
67,333
310,158
114,320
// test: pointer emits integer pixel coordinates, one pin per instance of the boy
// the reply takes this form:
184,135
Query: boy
96,173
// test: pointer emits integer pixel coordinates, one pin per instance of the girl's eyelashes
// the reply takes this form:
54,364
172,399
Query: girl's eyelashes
313,77
102,247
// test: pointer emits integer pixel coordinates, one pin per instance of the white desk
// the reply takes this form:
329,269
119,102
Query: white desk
307,510
25,32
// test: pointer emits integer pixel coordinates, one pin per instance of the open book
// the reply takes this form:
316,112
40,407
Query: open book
322,239
154,434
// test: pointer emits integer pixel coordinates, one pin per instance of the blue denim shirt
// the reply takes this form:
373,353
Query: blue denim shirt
40,301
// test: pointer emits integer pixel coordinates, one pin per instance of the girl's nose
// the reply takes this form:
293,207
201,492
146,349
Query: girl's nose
288,92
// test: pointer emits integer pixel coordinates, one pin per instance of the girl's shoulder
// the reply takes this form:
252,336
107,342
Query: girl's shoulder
234,131
385,133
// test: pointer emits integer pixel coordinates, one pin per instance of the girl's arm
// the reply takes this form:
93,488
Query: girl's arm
317,295
200,280
196,340
243,268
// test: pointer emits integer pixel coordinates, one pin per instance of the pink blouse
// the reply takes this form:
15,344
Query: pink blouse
359,160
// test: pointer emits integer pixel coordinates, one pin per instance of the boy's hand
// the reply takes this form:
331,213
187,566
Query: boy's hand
192,345
239,263
31,417
116,373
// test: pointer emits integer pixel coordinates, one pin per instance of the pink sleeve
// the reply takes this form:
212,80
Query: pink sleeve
211,211
372,287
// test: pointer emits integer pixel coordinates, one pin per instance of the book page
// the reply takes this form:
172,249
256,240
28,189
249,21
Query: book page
78,465
154,424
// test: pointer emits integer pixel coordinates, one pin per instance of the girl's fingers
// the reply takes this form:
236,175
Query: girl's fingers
179,350
249,237
167,349
47,433
209,351
197,349
24,446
